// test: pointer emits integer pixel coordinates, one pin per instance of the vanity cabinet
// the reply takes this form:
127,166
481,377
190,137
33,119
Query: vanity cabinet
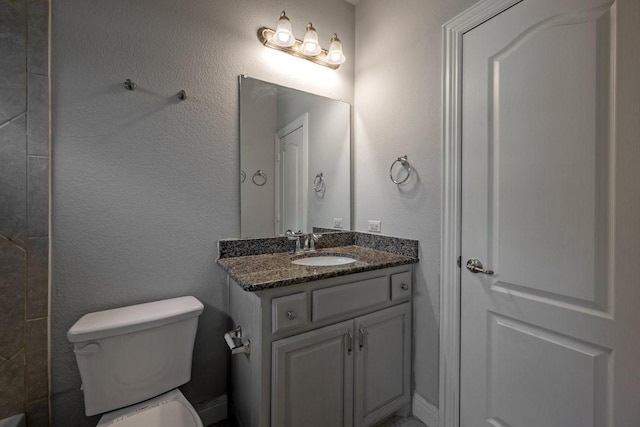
332,352
351,373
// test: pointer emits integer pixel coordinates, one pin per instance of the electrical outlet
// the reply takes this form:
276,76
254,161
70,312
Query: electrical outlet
374,226
337,222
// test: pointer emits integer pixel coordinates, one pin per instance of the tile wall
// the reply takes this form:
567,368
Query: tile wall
24,209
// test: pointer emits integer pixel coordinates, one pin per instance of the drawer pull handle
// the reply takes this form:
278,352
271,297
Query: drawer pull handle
291,315
405,287
349,342
363,336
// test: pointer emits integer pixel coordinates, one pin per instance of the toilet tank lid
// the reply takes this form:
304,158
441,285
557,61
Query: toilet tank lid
133,318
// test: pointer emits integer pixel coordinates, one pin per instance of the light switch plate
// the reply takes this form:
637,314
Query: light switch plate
337,222
375,226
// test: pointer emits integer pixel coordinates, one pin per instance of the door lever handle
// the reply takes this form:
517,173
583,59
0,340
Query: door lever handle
475,266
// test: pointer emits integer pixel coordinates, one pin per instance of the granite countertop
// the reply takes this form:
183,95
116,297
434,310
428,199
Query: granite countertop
259,272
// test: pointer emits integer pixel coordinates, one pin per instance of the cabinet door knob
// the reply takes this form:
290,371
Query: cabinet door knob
404,287
291,315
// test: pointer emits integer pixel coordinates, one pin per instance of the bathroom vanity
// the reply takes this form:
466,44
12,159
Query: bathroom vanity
320,346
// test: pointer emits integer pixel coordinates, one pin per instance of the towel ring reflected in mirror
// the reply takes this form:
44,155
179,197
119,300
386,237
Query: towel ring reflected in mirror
243,176
259,178
318,183
404,164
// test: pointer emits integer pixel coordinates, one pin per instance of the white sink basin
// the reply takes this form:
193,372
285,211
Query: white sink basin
324,261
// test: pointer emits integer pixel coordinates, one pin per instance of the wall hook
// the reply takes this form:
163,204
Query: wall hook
129,85
182,95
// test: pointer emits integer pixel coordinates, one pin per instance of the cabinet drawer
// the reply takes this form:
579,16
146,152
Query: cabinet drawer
401,286
288,312
352,297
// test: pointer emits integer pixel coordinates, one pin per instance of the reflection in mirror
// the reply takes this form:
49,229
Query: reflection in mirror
295,157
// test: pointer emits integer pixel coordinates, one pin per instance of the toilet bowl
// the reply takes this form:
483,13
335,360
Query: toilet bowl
132,359
170,409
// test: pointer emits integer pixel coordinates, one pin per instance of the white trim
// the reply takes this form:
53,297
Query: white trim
212,411
452,32
425,411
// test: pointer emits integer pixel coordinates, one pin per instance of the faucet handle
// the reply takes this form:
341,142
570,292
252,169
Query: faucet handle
312,239
291,235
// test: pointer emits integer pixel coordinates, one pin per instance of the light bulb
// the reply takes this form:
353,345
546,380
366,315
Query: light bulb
283,36
310,45
335,55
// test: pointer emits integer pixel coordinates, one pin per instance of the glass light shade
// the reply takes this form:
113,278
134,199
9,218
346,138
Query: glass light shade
310,45
283,35
335,55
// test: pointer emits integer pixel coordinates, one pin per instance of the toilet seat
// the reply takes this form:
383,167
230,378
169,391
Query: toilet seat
170,409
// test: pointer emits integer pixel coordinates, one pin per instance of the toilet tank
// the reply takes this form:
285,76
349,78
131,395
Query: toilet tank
130,354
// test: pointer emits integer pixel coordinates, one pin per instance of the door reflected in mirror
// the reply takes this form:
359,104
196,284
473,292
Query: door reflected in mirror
295,160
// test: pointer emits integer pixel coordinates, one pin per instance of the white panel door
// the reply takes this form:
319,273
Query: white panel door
543,337
291,176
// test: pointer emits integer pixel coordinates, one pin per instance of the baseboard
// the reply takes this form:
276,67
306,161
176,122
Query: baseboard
215,410
212,411
425,411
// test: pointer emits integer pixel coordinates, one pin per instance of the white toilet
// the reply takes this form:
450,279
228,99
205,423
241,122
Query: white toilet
131,360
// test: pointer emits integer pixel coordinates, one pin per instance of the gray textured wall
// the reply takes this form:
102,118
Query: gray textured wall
144,185
24,209
398,111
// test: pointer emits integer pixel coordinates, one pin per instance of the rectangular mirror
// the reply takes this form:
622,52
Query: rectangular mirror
295,160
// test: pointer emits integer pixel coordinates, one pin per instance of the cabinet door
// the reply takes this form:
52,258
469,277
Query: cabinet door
312,378
383,363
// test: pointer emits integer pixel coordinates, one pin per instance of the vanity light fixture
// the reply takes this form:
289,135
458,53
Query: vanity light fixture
335,55
310,45
308,48
283,36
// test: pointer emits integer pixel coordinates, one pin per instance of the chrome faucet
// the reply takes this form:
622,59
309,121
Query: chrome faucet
310,242
292,235
306,245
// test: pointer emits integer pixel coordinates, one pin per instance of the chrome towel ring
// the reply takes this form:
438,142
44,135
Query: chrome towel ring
261,178
405,165
318,183
243,176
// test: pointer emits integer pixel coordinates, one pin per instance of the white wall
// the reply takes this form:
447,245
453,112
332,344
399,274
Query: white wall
398,111
143,185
